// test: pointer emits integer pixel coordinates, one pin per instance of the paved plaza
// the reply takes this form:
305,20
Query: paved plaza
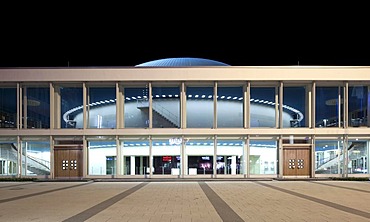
203,201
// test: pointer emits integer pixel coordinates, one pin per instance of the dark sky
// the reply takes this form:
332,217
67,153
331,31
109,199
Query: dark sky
116,51
96,42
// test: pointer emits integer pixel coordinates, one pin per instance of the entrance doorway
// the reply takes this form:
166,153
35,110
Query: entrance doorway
68,162
297,161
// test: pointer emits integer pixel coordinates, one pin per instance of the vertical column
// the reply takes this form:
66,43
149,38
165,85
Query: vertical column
52,163
141,166
150,106
119,162
150,156
233,165
85,167
19,109
225,167
182,157
215,106
339,108
345,156
308,106
19,157
132,165
277,101
119,106
24,114
214,157
57,109
345,102
313,156
52,106
246,151
246,105
280,97
313,107
280,157
183,106
84,99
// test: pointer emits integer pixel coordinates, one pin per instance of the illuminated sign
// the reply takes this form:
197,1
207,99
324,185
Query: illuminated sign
175,141
166,158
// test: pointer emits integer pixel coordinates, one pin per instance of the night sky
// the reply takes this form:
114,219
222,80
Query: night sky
115,40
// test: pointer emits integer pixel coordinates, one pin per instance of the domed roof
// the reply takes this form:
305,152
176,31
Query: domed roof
180,62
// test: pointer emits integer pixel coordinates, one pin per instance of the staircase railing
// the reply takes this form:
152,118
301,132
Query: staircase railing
161,110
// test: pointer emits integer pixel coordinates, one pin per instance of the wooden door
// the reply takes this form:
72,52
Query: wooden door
290,164
303,162
68,162
296,161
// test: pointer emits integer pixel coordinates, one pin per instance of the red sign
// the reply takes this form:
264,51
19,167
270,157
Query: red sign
166,158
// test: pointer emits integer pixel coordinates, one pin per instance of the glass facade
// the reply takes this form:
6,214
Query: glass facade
8,156
263,157
358,155
295,100
101,107
262,107
8,107
329,156
166,157
199,107
136,107
185,128
358,106
229,156
102,157
135,157
71,105
200,155
35,157
36,107
230,107
329,106
166,107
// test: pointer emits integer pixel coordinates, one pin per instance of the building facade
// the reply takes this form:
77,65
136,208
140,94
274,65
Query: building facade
179,121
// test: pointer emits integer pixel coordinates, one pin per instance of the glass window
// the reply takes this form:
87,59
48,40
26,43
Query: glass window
295,105
328,106
263,157
329,155
200,156
358,156
199,107
102,107
35,158
102,157
71,107
166,156
135,157
229,157
8,156
230,107
8,107
262,107
37,111
136,107
166,107
358,102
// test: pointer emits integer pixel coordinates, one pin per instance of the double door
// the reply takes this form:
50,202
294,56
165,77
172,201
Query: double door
68,162
297,161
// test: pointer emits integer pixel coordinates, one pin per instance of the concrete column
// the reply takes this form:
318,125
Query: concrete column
132,165
233,165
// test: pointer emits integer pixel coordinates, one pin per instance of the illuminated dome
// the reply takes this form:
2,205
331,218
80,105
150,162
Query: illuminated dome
180,62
